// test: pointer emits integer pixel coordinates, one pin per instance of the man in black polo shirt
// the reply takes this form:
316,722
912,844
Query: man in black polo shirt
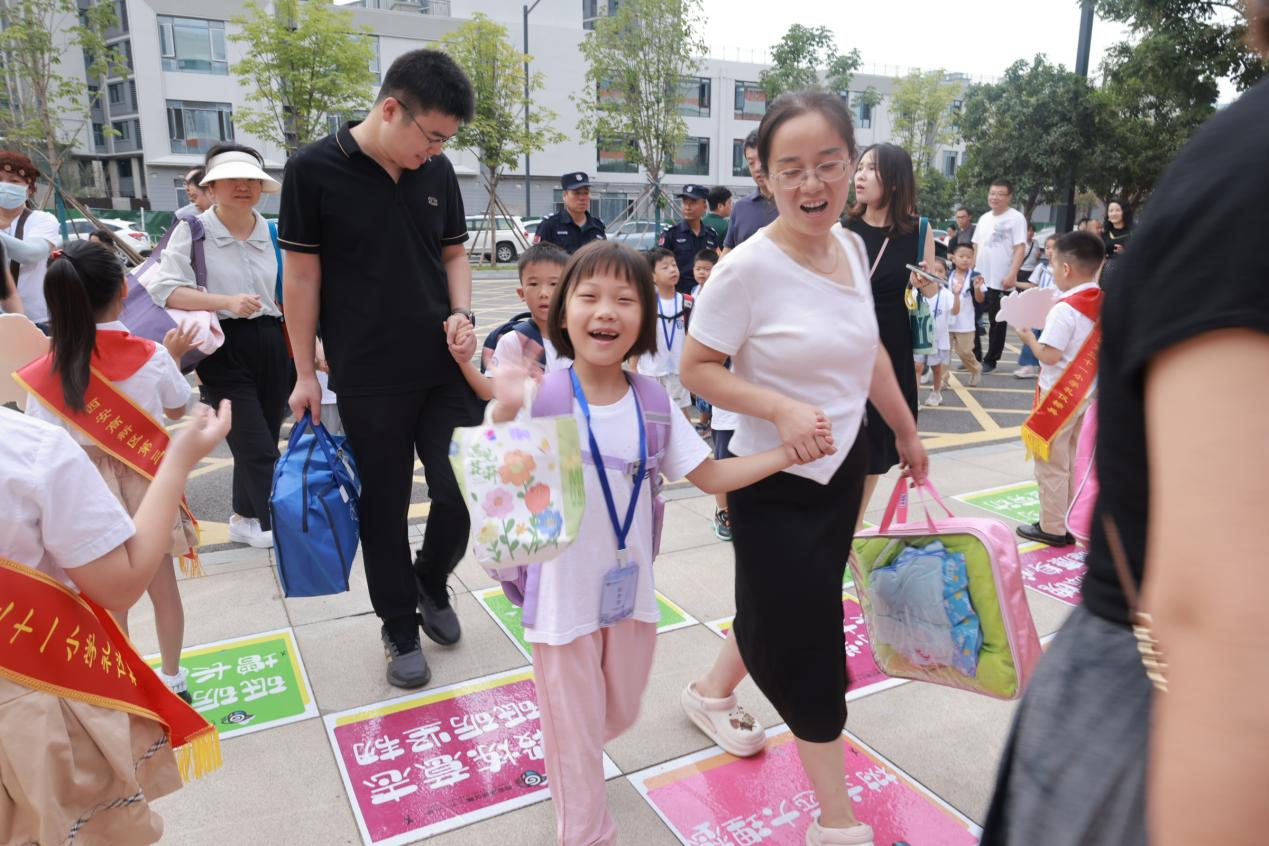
690,235
372,222
574,227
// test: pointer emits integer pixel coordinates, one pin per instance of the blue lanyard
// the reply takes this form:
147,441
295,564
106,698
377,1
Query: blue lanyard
674,323
622,529
936,303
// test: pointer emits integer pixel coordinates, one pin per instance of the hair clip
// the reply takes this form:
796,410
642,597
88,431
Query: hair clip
56,254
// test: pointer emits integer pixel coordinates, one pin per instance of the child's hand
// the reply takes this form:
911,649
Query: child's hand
206,430
463,347
957,287
804,428
180,340
319,357
1026,335
508,386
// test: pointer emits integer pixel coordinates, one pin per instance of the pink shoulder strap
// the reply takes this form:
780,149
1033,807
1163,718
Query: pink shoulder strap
555,395
656,413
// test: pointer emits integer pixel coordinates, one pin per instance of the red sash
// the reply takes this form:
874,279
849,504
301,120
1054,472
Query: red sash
1052,411
65,645
115,423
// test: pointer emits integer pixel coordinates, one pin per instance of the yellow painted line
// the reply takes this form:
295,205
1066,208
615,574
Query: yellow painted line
972,438
926,408
210,532
419,509
211,466
1028,391
980,414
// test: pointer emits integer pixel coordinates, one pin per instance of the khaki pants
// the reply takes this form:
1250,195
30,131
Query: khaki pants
1056,476
963,346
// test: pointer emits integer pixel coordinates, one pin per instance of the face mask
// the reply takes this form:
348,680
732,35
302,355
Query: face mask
12,196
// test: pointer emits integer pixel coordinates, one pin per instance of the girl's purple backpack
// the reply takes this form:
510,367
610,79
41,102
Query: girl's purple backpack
145,318
555,397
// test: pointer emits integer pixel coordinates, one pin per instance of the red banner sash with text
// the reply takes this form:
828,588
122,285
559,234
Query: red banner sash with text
1053,410
115,423
65,645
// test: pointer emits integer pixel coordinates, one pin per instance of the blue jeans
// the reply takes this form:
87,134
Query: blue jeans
1026,358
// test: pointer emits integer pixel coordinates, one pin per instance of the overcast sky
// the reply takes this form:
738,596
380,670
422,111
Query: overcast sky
978,37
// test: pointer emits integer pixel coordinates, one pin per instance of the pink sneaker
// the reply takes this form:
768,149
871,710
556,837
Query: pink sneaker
859,834
725,722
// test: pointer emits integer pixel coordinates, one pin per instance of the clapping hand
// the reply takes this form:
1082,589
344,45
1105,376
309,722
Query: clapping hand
206,430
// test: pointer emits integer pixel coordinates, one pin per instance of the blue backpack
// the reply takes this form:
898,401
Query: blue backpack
314,509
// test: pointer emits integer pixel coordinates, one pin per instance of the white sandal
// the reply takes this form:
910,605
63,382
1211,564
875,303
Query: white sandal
725,722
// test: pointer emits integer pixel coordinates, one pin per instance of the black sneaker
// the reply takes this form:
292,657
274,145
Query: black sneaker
988,367
1033,532
722,524
440,623
407,668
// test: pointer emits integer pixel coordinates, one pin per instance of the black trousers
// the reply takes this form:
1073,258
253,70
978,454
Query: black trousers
253,372
997,329
385,432
979,310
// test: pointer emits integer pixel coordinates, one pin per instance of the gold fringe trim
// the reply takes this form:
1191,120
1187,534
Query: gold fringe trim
191,565
1037,446
200,755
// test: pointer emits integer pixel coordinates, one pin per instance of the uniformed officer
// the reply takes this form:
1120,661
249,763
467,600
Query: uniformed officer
689,236
574,227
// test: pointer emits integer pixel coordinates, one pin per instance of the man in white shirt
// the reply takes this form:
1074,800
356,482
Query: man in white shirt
1000,239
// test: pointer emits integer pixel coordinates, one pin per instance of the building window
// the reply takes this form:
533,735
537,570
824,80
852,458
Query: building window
99,135
614,157
694,97
739,167
94,97
121,15
592,10
374,60
115,90
862,113
197,46
197,127
123,131
608,94
751,103
692,158
338,119
949,164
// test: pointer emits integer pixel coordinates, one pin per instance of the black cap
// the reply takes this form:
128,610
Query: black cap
573,181
695,192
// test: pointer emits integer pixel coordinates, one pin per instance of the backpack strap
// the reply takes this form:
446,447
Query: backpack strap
656,419
922,230
554,396
14,267
196,255
530,330
277,252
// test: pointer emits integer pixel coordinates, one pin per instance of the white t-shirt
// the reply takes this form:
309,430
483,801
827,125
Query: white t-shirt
671,335
790,329
156,386
941,312
1042,276
513,344
963,321
995,236
571,585
1064,329
40,226
59,514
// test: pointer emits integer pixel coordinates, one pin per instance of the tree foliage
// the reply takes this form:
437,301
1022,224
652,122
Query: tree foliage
936,194
922,117
1035,127
45,107
302,63
797,60
636,61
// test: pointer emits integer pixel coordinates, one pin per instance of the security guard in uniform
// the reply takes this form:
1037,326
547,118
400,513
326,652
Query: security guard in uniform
689,236
574,227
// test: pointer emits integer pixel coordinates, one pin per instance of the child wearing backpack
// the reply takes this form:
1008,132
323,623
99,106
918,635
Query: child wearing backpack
524,336
594,618
109,389
673,312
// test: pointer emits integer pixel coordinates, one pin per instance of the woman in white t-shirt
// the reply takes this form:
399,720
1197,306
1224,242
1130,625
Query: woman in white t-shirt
792,307
29,235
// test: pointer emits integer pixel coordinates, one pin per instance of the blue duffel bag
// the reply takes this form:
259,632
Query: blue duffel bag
314,509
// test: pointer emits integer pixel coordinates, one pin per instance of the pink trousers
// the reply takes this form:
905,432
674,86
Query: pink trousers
588,693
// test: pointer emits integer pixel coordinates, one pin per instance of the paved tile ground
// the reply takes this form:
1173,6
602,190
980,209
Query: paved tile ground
283,784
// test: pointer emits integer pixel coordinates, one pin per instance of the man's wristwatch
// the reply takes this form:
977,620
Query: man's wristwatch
465,312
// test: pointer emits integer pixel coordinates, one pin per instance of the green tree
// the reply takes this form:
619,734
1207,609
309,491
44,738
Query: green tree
302,62
936,194
636,60
1035,128
497,134
921,105
45,108
797,60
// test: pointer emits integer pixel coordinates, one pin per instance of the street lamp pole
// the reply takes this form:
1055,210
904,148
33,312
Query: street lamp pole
1066,215
528,184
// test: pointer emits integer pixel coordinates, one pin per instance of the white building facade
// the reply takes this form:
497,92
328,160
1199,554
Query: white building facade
181,97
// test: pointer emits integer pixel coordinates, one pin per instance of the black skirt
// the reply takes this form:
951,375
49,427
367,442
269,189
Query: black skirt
791,538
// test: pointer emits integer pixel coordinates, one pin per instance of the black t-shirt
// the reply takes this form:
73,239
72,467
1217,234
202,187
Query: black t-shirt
384,286
1196,265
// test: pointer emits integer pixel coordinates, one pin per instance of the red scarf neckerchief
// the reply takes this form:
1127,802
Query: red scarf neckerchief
1052,411
115,423
65,645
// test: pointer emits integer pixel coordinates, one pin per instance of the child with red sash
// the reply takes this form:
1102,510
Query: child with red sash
1068,378
108,389
88,735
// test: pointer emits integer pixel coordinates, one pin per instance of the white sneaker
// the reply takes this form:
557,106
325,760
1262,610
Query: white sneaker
859,834
178,684
935,399
975,378
247,530
926,377
1027,372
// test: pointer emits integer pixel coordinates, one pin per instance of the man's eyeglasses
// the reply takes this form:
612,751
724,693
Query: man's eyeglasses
431,137
795,177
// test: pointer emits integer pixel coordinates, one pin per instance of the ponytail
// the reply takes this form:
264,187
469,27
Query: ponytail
80,283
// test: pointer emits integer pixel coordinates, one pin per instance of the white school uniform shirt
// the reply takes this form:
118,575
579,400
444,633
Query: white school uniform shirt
40,226
59,514
156,386
671,335
941,311
995,236
796,332
1042,276
964,321
571,585
513,343
1064,329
